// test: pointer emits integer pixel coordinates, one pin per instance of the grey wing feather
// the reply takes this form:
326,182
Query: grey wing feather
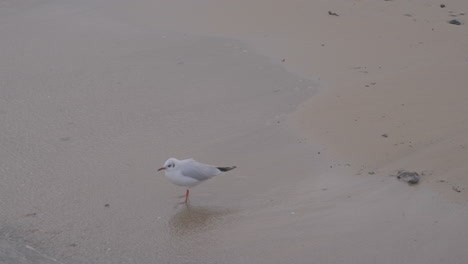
199,171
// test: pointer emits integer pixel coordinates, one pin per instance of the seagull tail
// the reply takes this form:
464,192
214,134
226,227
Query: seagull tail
224,169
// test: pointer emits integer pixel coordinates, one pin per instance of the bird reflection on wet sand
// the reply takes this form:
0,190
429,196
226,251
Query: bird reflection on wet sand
190,220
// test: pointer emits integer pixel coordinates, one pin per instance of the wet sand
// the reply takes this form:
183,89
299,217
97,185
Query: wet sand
96,95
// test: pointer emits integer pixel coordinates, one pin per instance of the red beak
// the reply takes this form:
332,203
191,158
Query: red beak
161,168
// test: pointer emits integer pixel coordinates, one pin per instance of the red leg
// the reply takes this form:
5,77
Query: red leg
186,196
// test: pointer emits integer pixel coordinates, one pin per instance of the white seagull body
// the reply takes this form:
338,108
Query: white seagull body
188,173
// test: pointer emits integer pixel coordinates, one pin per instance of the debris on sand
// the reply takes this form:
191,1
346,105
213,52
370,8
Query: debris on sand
31,215
411,177
455,22
455,188
332,13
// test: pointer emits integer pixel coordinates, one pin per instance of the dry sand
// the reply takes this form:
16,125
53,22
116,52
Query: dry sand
95,95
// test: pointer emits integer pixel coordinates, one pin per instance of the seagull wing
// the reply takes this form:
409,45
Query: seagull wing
198,171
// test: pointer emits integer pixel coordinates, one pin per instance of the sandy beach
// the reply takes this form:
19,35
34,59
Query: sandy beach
319,104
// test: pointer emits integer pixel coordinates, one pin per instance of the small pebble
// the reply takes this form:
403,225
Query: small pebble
107,205
455,22
410,177
385,135
442,6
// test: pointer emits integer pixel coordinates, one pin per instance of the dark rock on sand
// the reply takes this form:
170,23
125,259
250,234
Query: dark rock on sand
455,22
411,177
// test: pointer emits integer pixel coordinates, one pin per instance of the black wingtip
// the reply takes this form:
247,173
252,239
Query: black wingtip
224,169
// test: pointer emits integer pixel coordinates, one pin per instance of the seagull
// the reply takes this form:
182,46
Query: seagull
188,172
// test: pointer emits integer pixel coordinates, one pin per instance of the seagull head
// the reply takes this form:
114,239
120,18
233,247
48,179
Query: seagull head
169,165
